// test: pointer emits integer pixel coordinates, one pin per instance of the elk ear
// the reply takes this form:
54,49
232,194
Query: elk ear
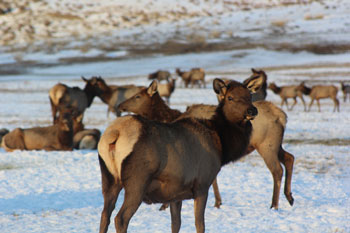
84,79
254,70
79,118
254,84
220,88
152,89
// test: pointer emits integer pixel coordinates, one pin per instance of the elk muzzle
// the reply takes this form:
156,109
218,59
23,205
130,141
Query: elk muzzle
251,113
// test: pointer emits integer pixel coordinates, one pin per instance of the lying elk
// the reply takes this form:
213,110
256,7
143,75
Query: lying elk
286,92
346,91
168,162
320,92
166,89
195,75
84,138
112,95
160,75
260,94
56,137
62,96
3,132
266,138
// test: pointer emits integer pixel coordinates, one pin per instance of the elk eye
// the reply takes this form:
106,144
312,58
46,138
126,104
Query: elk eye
230,98
137,97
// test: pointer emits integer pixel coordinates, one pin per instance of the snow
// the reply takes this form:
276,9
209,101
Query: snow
61,191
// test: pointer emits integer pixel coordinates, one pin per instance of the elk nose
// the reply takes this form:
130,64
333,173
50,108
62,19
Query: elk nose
252,111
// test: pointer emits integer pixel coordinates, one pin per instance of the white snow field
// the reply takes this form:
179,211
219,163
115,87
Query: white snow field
61,191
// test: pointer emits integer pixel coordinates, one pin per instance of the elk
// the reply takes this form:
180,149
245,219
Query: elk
169,162
84,138
3,132
286,92
165,90
61,96
266,138
346,91
195,75
112,95
261,94
56,137
160,75
320,92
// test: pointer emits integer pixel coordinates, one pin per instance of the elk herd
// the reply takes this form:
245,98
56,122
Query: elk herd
162,155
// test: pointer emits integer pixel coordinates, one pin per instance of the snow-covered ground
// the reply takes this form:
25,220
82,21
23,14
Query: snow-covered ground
61,191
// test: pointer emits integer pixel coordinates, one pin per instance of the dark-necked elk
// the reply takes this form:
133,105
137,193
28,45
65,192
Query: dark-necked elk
56,137
194,76
62,96
260,94
112,95
346,91
320,92
168,162
266,138
160,75
286,92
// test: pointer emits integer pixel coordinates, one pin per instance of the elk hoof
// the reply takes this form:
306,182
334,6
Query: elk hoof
290,199
163,207
217,204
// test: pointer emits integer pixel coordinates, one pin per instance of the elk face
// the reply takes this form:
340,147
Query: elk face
95,85
141,102
235,99
65,120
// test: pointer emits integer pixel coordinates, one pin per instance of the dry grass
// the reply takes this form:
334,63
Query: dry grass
279,23
313,17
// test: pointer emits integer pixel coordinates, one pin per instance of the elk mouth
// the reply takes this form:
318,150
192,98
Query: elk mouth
251,113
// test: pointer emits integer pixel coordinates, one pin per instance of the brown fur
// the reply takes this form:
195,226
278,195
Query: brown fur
321,92
170,162
160,75
195,75
346,91
261,93
287,92
165,90
56,137
61,96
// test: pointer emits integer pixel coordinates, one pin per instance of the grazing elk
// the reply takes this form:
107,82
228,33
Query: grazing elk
112,95
320,92
346,91
266,138
166,89
56,137
261,94
195,75
61,96
168,162
160,75
286,92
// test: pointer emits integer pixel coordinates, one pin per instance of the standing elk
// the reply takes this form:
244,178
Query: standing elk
61,96
195,75
266,138
56,137
286,92
160,75
112,95
260,94
320,92
166,89
346,91
169,162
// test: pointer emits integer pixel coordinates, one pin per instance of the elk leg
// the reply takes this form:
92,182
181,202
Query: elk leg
199,209
217,195
164,206
110,191
295,102
287,160
175,210
270,157
336,104
312,101
302,100
318,105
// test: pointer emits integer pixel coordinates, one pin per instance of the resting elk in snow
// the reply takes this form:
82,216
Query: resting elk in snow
160,75
286,92
266,138
84,138
61,96
112,95
321,92
346,91
56,137
169,162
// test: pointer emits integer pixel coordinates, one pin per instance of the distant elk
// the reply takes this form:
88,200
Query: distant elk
112,95
169,162
62,96
262,93
266,138
287,92
84,138
166,89
160,75
320,92
195,75
56,137
346,91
